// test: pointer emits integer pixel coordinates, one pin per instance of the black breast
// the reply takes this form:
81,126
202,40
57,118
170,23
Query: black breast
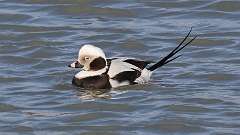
93,82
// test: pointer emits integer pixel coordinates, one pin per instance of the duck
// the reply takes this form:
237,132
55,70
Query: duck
100,72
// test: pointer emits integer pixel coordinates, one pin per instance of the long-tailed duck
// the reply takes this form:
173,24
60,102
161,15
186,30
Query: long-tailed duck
98,72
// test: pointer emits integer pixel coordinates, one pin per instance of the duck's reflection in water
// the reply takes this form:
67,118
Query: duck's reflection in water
93,93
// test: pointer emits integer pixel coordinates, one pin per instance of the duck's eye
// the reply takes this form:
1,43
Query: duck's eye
87,58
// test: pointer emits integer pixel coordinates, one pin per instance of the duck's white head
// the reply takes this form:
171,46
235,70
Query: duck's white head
90,58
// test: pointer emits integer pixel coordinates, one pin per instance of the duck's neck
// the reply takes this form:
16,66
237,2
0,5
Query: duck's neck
84,74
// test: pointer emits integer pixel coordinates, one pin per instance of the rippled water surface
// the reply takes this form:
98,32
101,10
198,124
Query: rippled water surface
197,94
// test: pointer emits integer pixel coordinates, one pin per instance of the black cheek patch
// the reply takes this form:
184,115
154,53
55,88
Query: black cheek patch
97,64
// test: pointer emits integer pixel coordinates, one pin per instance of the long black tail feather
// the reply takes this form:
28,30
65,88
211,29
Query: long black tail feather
167,59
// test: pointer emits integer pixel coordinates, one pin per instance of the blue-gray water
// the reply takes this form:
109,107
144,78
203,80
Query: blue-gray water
197,94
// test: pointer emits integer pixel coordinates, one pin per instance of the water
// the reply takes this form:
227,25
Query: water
197,94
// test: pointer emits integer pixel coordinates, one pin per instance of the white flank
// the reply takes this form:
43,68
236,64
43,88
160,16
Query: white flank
145,76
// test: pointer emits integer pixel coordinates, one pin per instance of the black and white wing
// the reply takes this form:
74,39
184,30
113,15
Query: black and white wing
125,71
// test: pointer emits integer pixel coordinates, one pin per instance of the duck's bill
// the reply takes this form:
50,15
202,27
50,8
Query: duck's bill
75,64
